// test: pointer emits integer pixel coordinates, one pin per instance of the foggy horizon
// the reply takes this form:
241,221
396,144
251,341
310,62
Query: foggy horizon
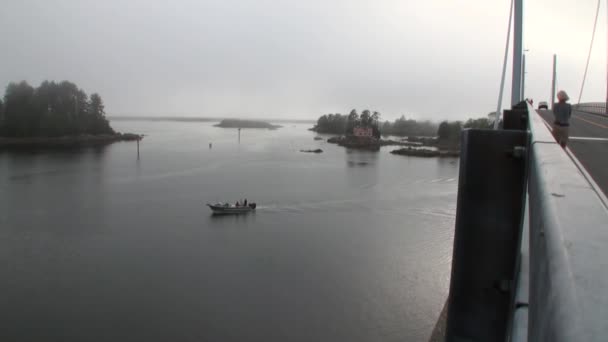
431,60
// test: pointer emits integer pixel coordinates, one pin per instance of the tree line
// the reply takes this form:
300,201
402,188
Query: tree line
409,127
344,124
450,131
51,110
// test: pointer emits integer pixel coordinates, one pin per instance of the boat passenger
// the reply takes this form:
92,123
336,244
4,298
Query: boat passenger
245,203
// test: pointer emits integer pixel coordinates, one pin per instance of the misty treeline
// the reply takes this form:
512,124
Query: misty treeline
51,110
344,124
409,127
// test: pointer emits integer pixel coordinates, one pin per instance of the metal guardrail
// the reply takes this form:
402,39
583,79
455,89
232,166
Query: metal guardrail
568,249
527,265
487,237
592,107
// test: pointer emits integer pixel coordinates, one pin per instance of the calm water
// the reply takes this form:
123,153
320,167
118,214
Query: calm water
96,245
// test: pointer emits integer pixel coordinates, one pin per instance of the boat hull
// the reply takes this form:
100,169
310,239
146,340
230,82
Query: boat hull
224,210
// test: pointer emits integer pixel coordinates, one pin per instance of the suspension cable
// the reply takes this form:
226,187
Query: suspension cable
504,68
597,12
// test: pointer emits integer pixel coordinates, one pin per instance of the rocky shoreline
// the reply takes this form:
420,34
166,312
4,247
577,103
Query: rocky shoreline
424,152
346,142
68,141
414,146
312,151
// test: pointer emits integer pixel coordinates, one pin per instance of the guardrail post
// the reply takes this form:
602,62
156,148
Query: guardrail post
491,197
516,118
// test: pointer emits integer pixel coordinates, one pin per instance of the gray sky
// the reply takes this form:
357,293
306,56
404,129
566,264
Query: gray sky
436,59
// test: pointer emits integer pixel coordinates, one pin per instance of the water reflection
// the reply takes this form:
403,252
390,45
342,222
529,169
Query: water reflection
228,218
359,158
366,236
448,162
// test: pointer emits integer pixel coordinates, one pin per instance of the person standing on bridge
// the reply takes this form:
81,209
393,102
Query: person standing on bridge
562,111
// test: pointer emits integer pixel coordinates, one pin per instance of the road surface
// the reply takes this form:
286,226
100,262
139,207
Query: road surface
588,143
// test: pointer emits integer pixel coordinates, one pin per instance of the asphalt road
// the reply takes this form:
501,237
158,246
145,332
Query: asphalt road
588,143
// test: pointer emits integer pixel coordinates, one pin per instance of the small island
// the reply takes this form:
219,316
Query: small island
318,150
54,115
238,123
423,139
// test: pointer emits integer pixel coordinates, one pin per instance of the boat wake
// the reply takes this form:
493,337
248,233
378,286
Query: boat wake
324,206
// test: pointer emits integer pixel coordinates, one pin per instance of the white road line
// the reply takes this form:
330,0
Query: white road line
582,169
588,138
590,122
574,138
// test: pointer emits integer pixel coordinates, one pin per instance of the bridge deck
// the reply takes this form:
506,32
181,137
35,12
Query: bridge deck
588,143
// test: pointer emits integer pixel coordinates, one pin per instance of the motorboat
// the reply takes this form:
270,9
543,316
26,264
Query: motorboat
226,208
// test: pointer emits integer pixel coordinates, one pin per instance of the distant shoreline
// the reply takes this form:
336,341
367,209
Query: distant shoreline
236,123
67,141
199,119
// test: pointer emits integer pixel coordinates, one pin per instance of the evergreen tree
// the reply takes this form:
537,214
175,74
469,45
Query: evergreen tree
52,109
443,132
19,111
352,122
365,118
449,131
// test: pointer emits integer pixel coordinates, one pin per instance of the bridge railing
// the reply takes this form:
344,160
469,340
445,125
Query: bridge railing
591,107
568,246
530,257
